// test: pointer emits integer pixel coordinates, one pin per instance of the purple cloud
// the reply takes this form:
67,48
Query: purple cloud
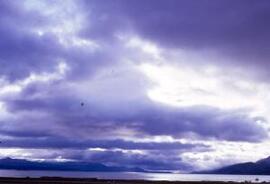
40,102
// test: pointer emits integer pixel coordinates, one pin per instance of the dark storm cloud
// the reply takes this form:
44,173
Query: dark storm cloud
32,134
205,122
200,24
62,143
234,30
154,160
146,118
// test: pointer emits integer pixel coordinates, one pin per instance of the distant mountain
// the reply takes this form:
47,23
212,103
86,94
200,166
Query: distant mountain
20,164
261,167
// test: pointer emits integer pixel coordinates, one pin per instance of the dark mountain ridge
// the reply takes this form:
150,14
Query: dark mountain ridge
261,167
21,164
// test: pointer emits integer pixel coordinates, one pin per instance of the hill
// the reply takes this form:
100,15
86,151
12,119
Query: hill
21,164
261,167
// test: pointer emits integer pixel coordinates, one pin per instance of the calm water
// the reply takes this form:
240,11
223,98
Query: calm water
133,175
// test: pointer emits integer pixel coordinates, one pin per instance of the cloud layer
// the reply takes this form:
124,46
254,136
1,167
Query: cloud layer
163,83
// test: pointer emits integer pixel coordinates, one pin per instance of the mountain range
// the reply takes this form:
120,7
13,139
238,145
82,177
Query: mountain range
261,167
21,164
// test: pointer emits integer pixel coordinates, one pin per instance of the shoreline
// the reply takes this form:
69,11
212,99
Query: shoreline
63,180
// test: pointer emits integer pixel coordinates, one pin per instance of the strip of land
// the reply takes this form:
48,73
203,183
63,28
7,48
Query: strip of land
60,180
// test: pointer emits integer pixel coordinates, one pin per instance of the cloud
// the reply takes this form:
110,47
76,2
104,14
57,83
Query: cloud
61,143
146,117
37,36
225,33
157,160
155,69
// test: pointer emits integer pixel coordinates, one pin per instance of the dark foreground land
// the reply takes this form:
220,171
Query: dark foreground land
56,180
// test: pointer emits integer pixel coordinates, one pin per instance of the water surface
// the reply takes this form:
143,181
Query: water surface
135,175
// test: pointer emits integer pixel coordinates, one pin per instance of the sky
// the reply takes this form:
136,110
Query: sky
177,85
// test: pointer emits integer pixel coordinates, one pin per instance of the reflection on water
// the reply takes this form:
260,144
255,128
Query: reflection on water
133,175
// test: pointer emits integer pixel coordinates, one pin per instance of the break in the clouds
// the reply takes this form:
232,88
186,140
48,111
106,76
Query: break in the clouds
162,85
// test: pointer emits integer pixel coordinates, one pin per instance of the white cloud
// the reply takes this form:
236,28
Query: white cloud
15,152
7,88
64,19
181,86
227,153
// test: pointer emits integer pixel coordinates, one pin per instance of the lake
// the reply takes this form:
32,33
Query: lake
134,175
